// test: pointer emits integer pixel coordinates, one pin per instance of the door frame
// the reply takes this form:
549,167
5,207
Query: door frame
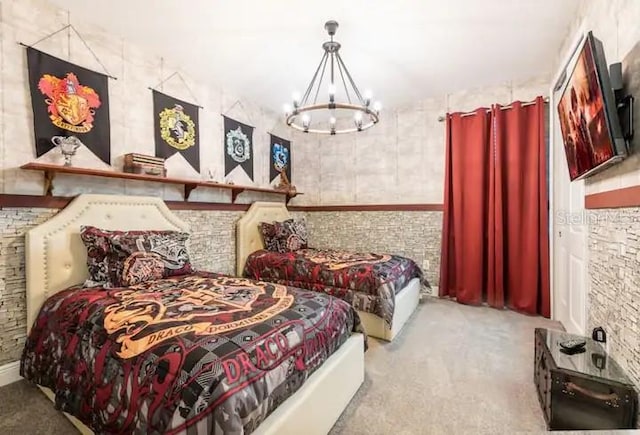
580,34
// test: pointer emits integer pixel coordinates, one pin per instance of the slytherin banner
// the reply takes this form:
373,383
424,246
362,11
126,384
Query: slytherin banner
280,158
68,100
176,128
238,146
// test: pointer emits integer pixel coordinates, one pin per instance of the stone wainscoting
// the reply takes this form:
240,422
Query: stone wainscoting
413,234
614,287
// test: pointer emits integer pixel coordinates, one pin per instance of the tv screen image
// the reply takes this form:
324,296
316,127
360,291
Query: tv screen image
588,122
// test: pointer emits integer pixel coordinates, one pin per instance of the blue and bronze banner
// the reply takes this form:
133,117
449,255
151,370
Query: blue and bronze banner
238,146
176,128
280,160
68,100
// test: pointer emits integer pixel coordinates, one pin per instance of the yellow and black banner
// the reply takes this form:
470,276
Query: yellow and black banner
176,128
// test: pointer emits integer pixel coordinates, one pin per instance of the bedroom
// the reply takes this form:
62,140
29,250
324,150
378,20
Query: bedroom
220,65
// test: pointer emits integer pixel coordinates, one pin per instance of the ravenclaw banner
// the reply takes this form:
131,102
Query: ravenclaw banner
238,146
176,128
68,100
280,158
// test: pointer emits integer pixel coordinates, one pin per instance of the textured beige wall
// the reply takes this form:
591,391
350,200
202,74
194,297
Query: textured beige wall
131,107
400,160
211,245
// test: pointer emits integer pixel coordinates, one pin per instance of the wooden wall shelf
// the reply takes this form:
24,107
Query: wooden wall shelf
50,172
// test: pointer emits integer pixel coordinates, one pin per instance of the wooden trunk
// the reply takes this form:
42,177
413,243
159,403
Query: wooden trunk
571,400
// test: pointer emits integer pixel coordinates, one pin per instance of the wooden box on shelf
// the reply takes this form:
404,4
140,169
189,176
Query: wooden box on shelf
147,165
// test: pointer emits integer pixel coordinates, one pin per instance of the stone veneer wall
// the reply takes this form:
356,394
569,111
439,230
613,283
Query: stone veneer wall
614,288
212,247
413,234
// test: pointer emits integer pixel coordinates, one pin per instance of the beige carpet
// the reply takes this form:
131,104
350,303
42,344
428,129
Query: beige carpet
453,369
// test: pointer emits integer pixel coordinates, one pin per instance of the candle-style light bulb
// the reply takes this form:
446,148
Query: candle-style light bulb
377,106
296,99
332,92
368,96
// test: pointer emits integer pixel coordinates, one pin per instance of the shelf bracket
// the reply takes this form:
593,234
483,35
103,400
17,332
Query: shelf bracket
235,193
289,197
49,176
187,190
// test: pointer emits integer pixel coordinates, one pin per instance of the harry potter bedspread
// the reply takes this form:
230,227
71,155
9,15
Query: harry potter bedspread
195,354
369,282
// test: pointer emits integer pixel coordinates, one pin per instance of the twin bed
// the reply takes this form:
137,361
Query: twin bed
217,381
385,289
198,353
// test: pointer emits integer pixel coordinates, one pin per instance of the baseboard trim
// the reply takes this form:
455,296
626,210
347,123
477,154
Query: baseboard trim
10,373
434,291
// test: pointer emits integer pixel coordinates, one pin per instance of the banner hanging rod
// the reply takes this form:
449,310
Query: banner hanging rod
70,26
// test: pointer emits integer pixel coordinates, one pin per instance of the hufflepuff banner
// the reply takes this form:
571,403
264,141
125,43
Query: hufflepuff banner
280,158
238,146
68,100
176,128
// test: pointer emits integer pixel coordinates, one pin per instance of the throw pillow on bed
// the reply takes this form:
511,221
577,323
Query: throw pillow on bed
285,236
170,248
141,267
100,259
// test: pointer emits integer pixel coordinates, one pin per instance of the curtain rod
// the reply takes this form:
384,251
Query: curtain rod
526,103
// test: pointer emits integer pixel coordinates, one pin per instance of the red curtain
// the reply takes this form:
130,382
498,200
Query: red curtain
497,251
463,260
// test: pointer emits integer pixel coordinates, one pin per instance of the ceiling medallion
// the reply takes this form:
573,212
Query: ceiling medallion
353,113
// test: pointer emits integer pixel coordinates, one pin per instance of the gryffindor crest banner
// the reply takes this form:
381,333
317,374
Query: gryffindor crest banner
176,128
68,100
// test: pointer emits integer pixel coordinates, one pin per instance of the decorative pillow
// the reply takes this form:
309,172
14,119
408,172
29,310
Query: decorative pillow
271,242
169,247
141,267
99,258
289,235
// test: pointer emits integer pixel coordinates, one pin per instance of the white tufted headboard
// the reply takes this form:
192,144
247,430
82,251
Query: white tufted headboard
248,237
55,255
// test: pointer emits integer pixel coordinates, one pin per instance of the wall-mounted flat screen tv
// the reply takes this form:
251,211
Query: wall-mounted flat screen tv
591,131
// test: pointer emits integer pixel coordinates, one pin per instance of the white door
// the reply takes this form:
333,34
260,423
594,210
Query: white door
569,224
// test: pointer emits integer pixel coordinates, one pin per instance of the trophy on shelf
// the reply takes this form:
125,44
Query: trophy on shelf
67,145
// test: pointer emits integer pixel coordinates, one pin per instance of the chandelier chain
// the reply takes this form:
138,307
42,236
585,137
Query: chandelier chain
324,67
310,87
353,84
344,83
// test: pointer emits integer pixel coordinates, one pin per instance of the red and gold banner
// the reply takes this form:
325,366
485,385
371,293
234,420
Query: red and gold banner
68,100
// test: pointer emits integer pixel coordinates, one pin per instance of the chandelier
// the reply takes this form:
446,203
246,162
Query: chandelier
346,111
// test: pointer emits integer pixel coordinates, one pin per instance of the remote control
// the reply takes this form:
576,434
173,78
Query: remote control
573,344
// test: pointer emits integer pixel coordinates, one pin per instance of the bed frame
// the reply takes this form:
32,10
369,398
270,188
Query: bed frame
249,240
56,259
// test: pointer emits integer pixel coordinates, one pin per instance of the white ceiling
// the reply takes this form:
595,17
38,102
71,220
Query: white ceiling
403,50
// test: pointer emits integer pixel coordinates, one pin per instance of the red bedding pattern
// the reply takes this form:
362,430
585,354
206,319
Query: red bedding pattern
369,282
195,354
